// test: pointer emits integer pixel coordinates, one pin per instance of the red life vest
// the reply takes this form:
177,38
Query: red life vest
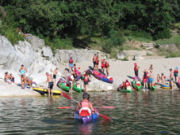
136,68
103,63
97,60
175,71
107,64
71,60
85,110
86,79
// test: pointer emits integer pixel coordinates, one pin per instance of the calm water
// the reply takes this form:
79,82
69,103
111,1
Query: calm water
142,113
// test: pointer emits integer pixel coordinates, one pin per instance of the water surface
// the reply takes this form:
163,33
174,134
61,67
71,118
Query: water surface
139,113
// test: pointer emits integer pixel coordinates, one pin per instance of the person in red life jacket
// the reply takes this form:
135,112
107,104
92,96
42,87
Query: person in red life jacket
176,74
71,63
94,60
85,107
136,69
103,65
86,80
71,79
107,67
145,79
127,83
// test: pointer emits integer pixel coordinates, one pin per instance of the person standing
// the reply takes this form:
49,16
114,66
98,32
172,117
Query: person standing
176,74
94,60
50,83
145,79
71,63
55,75
136,69
107,67
171,78
103,65
23,71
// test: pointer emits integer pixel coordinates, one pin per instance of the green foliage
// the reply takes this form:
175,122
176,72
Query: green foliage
175,39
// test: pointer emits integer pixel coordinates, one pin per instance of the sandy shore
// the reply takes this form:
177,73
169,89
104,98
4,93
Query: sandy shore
119,70
8,90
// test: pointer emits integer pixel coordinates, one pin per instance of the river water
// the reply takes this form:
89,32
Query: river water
138,113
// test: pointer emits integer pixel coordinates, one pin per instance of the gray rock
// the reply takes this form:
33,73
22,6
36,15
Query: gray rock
121,55
47,52
147,45
36,42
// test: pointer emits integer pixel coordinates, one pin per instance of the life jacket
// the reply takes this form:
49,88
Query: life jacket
136,68
85,110
71,60
128,84
22,72
86,79
97,60
103,63
106,64
176,71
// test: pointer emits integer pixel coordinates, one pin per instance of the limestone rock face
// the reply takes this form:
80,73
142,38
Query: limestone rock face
47,52
36,42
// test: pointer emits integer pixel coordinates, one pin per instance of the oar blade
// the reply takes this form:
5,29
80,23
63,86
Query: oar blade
105,117
107,107
66,96
65,107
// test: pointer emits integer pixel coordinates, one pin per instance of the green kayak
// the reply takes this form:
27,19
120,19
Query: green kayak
127,90
67,88
137,85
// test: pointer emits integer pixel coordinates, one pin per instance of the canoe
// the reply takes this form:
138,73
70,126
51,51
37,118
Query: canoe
43,91
94,117
127,90
66,88
102,77
137,85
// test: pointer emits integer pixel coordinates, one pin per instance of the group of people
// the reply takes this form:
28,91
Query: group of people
149,79
104,64
8,77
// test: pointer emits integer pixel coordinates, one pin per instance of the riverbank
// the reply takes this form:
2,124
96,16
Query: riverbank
12,90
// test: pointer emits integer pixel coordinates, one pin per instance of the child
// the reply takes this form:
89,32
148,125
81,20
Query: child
158,78
71,63
85,107
11,78
163,77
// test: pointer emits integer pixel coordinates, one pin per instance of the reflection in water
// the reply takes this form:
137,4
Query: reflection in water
140,113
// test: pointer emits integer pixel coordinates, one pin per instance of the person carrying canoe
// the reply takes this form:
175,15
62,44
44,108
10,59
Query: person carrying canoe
176,74
107,67
85,107
136,69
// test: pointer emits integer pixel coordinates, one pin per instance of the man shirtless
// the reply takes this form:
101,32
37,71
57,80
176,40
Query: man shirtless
50,83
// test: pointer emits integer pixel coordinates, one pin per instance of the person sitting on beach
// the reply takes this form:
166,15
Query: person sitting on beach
176,74
85,107
136,69
11,78
71,63
6,77
22,71
107,67
50,83
29,81
103,65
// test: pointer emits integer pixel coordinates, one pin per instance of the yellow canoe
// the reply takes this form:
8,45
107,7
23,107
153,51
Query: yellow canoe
43,91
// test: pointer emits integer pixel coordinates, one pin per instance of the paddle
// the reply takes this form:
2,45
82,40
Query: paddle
102,107
70,98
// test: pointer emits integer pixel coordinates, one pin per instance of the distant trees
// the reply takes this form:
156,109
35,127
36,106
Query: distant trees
71,18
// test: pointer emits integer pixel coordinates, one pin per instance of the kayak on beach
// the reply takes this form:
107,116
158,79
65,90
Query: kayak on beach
102,77
136,85
67,88
43,91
